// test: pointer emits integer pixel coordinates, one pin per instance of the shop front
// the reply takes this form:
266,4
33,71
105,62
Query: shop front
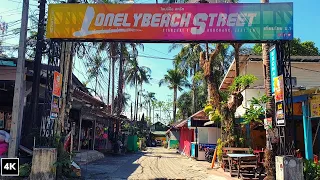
205,136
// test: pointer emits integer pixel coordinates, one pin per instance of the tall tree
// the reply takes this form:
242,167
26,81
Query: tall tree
136,75
298,48
149,98
175,80
96,66
188,61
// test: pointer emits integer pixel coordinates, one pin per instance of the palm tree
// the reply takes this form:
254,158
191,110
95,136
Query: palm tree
124,102
96,66
269,159
150,97
136,75
175,80
188,61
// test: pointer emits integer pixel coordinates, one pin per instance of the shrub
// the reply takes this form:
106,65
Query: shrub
311,170
220,145
24,170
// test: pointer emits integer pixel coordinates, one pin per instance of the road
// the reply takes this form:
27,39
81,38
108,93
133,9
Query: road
155,163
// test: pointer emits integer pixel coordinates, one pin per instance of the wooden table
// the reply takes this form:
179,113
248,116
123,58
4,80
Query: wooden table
237,157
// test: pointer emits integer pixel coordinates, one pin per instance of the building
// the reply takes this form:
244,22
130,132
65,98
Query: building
90,119
305,72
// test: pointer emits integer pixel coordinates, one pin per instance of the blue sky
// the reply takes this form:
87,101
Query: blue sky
306,27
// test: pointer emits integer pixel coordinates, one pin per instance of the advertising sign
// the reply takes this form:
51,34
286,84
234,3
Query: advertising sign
278,88
280,114
171,22
54,107
267,123
57,84
315,106
273,67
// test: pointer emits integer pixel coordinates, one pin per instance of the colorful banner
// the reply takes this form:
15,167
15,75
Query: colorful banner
278,88
273,66
315,106
171,22
57,84
54,107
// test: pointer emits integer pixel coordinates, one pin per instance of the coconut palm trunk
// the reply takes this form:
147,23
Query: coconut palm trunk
109,80
175,92
113,87
135,100
194,93
95,88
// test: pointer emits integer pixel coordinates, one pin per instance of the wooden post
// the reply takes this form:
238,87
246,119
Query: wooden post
79,140
94,133
19,88
214,158
66,59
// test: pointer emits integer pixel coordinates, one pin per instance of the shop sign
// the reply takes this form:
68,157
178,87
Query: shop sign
315,106
171,22
47,125
273,67
278,88
267,123
280,114
57,84
54,107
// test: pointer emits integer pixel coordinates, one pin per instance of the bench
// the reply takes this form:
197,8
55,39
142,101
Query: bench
230,150
249,164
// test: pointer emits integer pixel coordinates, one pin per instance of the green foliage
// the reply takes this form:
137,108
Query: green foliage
184,103
213,113
242,82
220,145
311,170
64,159
136,74
175,79
298,48
257,49
256,109
24,170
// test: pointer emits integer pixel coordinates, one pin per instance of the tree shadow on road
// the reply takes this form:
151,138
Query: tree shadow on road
112,167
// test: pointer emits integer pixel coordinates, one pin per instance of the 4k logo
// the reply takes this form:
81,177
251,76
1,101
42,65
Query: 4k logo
9,166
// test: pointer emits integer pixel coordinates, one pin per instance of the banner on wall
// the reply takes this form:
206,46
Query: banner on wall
315,106
273,67
172,22
54,112
57,84
280,114
278,88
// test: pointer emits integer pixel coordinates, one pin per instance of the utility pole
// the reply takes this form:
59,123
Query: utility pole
37,64
19,88
65,69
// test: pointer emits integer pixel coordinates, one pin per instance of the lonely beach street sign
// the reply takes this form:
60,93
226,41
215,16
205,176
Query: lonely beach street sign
172,22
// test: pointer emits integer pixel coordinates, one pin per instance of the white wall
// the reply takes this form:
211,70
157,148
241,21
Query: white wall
213,134
202,135
301,71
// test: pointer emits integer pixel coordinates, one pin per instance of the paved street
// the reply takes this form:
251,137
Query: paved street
155,163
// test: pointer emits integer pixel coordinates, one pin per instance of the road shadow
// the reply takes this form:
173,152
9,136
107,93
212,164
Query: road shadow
112,166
